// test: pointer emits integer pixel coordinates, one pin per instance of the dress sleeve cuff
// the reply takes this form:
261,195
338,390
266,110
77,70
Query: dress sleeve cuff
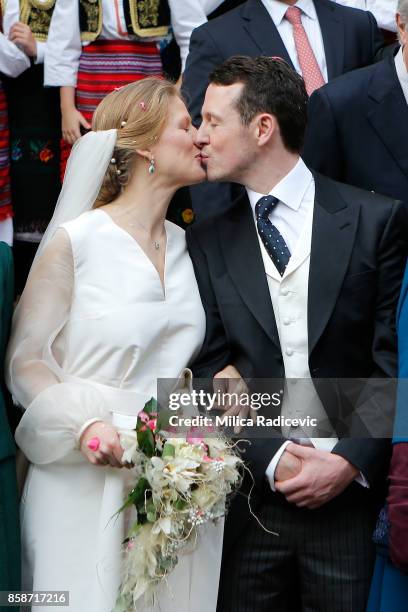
84,426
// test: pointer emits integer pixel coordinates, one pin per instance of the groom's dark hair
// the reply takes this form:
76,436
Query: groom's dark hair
270,86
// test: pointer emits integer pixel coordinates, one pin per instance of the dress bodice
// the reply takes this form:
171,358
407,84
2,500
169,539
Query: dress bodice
124,329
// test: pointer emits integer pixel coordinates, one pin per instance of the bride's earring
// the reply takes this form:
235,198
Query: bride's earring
152,167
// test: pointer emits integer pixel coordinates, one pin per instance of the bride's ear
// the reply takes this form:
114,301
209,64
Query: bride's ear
144,153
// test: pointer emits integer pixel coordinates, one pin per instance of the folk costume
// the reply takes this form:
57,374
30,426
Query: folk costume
12,63
100,45
34,119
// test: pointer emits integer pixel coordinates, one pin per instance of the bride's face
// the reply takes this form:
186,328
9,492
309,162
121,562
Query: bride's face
176,154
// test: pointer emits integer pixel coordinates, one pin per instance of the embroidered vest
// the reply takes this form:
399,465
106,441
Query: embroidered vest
143,17
37,14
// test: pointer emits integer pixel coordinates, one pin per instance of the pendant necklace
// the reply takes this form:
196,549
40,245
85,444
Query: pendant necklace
156,243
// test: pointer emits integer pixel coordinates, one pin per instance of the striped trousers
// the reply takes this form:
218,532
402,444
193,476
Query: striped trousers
322,560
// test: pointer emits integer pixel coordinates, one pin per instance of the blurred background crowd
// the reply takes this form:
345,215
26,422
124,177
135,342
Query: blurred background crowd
59,58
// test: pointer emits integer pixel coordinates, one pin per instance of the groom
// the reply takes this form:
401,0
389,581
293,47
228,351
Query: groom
299,279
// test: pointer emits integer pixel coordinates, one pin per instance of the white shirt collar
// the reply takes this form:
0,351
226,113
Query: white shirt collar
290,190
278,9
401,69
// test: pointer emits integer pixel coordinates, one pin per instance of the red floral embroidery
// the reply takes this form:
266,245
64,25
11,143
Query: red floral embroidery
46,154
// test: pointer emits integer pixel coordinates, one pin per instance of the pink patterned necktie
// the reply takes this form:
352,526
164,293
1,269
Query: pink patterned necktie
311,72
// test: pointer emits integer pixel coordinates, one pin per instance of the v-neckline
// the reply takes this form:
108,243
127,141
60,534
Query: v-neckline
141,249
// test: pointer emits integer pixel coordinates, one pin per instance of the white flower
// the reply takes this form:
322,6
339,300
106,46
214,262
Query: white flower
204,497
162,524
213,468
191,451
177,472
128,441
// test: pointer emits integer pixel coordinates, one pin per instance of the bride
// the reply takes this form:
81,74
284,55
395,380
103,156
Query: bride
111,305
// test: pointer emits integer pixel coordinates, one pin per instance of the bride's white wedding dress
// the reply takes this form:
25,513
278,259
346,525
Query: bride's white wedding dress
94,331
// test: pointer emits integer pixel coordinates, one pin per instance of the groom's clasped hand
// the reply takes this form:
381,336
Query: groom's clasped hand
309,477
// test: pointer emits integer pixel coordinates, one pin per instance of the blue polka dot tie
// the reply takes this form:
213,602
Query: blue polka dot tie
271,237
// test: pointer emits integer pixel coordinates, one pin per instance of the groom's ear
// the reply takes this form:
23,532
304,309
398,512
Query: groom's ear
265,128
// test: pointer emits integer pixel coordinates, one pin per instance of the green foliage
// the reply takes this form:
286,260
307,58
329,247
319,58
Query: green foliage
168,450
180,504
137,495
163,420
151,406
145,440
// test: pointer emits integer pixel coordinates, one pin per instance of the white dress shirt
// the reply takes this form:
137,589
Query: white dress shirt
12,61
12,16
186,15
383,10
64,44
311,25
293,214
402,73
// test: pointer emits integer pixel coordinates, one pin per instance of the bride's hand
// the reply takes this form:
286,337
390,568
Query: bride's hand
109,452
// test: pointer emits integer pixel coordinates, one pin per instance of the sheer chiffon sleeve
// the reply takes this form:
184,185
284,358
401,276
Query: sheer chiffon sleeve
56,411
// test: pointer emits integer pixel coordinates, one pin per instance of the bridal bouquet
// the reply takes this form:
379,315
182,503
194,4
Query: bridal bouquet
181,483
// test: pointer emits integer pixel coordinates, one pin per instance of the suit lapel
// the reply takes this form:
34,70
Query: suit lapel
240,246
333,235
388,112
332,28
262,30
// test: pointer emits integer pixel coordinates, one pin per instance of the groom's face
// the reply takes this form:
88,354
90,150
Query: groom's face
226,143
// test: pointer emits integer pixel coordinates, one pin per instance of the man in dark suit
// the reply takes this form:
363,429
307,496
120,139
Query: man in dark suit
299,280
340,38
358,125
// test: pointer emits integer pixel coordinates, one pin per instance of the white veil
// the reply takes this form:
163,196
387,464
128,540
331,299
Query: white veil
86,168
55,409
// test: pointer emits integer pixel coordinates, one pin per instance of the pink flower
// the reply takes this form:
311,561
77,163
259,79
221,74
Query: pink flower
197,441
144,417
143,428
208,459
152,424
191,439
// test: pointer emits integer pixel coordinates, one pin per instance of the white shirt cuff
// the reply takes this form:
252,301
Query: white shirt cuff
326,444
270,470
40,52
362,480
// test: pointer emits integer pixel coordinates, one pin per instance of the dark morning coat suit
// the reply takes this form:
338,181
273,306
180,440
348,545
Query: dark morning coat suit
358,252
358,130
